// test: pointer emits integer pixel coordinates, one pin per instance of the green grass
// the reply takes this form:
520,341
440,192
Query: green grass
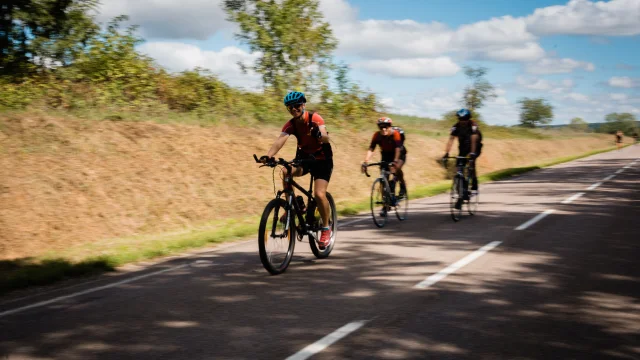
108,255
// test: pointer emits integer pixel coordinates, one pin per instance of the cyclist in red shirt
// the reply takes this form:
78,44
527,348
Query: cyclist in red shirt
392,150
313,139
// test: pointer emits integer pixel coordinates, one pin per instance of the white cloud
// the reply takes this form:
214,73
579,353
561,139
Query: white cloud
577,97
412,68
527,52
505,30
624,82
619,97
557,66
180,56
387,102
169,19
583,17
539,84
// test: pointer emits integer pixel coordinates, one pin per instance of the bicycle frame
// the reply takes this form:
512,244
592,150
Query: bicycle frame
466,168
289,191
290,196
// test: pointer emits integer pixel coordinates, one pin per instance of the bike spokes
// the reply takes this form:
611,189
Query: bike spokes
277,234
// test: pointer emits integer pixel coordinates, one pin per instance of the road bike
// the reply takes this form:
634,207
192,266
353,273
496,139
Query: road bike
461,187
285,217
386,195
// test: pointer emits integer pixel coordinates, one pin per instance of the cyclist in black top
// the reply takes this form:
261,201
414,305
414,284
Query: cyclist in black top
469,142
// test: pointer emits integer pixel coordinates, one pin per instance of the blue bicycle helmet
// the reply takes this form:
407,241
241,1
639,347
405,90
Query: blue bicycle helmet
463,114
294,98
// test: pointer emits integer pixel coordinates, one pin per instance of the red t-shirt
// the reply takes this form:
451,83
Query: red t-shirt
306,143
388,144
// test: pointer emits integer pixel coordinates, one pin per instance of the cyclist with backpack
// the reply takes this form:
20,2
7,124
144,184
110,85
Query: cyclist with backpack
313,140
469,144
391,141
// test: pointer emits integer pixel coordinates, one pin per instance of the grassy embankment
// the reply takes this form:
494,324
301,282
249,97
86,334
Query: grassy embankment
85,196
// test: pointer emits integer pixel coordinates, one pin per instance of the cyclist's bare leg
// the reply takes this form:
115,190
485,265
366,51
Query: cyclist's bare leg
297,171
320,194
398,173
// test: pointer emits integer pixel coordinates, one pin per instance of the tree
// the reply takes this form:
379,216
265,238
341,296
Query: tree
578,124
290,36
534,112
479,91
38,34
625,122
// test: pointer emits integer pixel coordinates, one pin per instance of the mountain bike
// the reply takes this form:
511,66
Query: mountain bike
385,195
460,187
285,216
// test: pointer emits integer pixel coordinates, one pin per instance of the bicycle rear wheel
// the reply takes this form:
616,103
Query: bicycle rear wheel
276,239
317,224
455,201
379,203
402,203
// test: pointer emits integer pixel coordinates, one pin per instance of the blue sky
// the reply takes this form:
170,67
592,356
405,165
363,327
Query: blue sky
580,55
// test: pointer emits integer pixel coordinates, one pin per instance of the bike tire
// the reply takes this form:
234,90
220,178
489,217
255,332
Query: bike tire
333,224
379,203
268,224
456,198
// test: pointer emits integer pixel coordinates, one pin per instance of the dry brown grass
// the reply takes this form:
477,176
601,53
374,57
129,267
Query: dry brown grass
68,181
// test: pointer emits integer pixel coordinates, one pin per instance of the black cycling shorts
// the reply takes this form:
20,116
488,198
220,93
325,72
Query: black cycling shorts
390,156
320,169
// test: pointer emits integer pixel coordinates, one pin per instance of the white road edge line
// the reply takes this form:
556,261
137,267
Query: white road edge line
76,294
609,177
326,341
626,167
431,280
592,187
535,219
573,197
619,171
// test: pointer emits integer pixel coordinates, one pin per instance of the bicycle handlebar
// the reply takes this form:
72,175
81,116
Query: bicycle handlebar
444,159
287,164
380,163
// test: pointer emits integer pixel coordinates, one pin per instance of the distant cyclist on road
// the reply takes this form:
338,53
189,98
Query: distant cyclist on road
469,144
619,135
313,140
391,142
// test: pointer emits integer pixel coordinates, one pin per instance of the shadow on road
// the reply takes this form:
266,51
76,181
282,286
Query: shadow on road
570,289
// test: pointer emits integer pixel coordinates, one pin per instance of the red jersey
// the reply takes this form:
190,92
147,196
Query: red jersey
388,144
307,144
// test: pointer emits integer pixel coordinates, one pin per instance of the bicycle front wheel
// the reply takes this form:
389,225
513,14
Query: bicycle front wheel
276,238
455,200
333,225
379,202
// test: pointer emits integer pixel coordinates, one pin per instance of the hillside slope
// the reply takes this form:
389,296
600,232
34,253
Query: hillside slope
68,181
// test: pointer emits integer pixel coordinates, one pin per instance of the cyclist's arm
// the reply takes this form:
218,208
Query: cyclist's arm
372,147
278,144
325,135
449,144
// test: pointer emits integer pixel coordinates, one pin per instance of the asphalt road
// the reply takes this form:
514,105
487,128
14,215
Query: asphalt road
566,286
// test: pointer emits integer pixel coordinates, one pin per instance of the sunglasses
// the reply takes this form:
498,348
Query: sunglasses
384,126
296,106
